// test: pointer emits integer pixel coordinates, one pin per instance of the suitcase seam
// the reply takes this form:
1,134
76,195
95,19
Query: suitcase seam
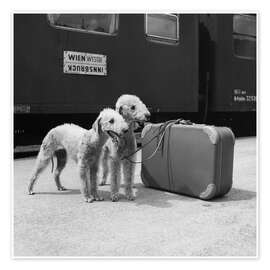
169,164
223,191
221,162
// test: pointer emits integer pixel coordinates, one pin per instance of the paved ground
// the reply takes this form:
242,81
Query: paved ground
53,223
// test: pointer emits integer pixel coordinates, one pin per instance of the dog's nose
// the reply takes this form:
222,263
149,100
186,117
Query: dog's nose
147,117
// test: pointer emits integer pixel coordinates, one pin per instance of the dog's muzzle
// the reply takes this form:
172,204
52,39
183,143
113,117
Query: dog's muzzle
141,123
114,136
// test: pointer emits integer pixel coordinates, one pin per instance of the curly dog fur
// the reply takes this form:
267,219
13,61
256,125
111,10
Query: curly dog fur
134,112
81,145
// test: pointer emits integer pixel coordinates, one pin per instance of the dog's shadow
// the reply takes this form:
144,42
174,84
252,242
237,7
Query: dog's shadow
69,191
163,199
63,192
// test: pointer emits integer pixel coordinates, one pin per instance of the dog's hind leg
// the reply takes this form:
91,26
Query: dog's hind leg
45,154
105,166
41,164
61,157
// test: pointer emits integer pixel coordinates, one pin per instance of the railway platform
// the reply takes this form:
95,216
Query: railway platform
157,223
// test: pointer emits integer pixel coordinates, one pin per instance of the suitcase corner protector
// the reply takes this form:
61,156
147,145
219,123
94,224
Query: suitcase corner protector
209,192
212,134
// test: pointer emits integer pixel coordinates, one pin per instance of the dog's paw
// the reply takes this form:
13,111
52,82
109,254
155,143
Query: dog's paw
102,183
115,197
61,188
30,192
89,200
129,194
130,197
98,198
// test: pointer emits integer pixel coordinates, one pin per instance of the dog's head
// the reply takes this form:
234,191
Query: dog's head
111,123
132,109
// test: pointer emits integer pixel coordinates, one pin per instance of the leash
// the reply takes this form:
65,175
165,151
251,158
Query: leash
52,164
162,131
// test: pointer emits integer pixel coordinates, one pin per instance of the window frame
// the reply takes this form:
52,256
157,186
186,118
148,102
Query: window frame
162,39
84,30
244,36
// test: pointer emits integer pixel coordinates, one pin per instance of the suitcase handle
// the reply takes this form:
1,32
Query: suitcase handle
183,122
179,121
160,138
154,152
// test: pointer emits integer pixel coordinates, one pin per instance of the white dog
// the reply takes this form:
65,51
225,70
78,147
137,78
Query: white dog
83,146
134,112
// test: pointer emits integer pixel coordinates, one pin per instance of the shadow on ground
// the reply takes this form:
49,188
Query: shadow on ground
237,194
161,199
65,192
157,198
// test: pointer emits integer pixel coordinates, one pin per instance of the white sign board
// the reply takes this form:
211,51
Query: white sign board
85,63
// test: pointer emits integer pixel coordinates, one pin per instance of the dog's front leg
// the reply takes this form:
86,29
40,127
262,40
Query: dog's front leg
114,167
128,174
84,179
104,166
93,184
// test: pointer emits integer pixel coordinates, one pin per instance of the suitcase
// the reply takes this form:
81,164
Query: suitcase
189,159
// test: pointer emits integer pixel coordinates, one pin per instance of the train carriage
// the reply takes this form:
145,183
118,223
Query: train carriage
69,66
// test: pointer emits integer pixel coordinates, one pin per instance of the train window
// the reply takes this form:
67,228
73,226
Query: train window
162,27
92,23
244,36
244,24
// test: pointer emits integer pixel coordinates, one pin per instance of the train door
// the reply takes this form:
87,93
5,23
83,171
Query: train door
244,63
160,59
234,66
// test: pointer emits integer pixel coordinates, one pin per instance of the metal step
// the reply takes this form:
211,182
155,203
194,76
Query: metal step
26,148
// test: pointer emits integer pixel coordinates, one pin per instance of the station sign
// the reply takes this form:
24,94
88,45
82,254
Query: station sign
85,63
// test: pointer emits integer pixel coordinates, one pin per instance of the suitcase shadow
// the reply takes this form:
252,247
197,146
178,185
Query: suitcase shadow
159,198
236,194
156,197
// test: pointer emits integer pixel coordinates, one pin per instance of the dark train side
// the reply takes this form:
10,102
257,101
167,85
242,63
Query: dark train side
67,67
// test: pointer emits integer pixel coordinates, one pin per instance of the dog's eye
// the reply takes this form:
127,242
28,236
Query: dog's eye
132,107
111,121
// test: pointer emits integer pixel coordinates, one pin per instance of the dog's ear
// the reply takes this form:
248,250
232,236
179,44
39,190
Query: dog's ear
96,126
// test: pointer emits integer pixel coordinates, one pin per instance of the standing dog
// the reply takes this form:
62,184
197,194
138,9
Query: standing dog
135,113
83,146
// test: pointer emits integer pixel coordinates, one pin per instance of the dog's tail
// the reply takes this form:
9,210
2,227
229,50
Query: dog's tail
52,164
